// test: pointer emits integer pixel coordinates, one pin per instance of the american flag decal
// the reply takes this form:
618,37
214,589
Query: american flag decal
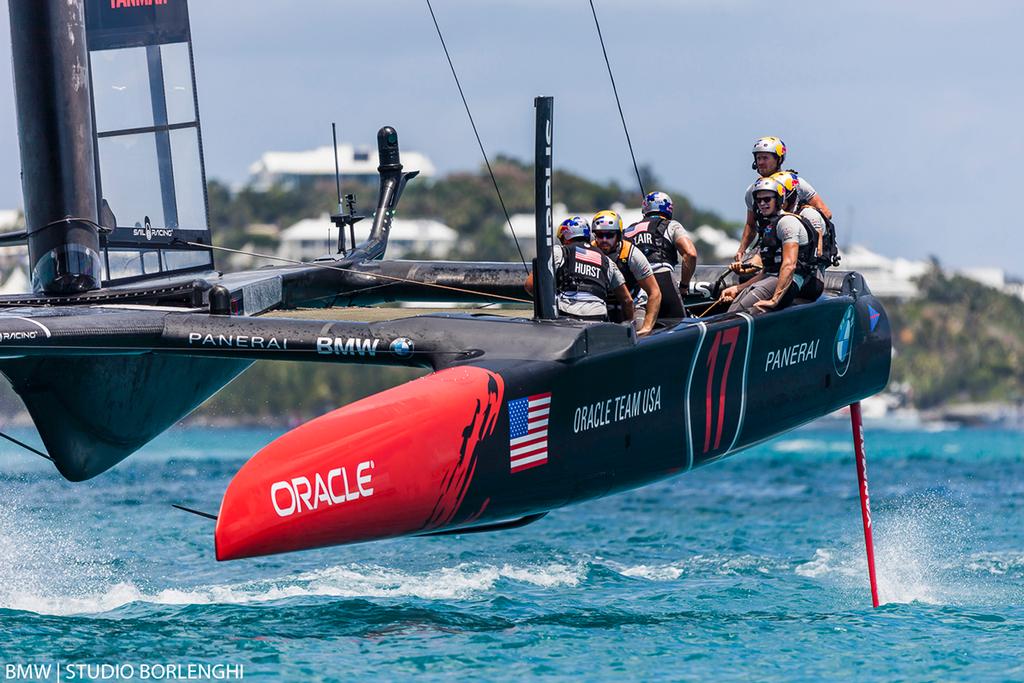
528,431
639,227
588,255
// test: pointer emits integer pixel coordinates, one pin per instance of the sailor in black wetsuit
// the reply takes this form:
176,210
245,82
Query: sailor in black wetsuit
664,241
584,277
635,268
787,250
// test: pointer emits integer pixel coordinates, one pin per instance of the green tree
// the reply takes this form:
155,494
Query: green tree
958,341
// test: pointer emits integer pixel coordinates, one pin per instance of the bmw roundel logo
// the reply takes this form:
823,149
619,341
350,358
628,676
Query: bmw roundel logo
402,347
844,343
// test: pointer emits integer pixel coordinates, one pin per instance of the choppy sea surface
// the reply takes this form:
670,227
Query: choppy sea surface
750,569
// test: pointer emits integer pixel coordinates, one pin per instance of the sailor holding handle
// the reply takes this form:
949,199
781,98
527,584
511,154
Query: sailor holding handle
787,247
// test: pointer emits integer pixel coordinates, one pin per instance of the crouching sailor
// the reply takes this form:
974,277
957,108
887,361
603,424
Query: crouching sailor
584,277
787,249
635,269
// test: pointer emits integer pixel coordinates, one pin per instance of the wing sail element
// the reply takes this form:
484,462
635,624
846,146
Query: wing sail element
149,153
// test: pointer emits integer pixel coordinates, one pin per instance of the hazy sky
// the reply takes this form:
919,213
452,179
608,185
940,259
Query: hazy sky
905,115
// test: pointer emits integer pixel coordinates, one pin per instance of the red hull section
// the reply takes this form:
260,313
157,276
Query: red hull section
393,464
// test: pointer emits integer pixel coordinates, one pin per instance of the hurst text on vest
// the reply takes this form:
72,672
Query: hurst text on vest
584,269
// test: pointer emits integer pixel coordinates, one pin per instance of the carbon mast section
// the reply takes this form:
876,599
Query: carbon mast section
51,81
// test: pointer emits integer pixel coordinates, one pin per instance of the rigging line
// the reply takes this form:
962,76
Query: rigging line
26,446
359,272
617,102
198,513
487,161
708,309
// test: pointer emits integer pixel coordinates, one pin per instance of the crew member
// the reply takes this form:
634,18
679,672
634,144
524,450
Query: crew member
584,277
786,248
635,268
769,155
664,241
823,235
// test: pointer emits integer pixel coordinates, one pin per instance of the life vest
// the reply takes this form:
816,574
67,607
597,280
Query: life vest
621,261
649,236
584,269
771,246
829,245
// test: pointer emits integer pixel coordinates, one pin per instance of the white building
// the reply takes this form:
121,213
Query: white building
723,246
295,168
1015,288
887,277
988,276
13,260
315,237
15,281
10,219
996,278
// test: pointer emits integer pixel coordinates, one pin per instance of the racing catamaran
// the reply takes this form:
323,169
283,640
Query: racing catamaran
130,326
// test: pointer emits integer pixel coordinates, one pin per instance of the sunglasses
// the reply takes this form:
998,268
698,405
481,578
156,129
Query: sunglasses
764,199
606,235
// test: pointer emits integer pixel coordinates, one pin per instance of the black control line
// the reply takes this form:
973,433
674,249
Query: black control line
477,134
617,102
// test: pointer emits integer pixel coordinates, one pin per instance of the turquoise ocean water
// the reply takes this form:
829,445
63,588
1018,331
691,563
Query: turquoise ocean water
749,569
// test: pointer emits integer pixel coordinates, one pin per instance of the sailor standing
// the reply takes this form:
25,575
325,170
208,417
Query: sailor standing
787,249
664,242
584,277
635,268
769,155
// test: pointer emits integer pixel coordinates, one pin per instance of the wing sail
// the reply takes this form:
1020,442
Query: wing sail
151,178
